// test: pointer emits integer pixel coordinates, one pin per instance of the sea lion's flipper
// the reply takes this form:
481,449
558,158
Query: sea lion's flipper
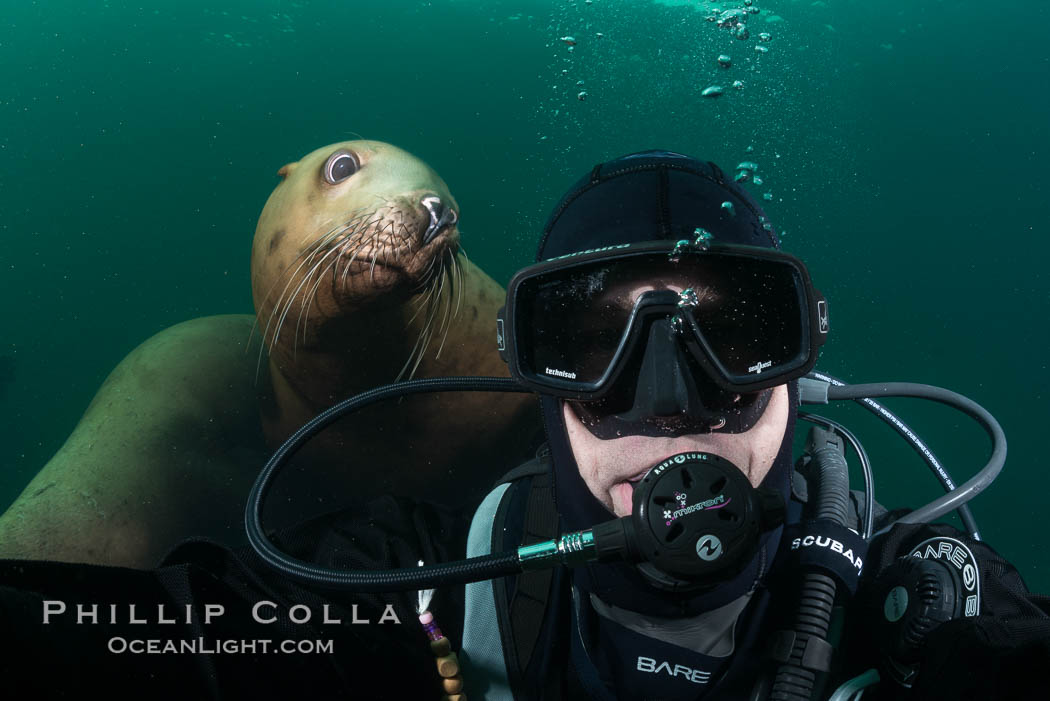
157,457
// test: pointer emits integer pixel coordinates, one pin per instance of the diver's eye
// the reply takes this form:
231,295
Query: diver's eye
340,166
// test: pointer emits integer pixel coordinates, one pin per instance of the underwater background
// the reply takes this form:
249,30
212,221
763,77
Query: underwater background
902,150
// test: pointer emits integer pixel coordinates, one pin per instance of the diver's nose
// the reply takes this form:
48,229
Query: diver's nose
441,216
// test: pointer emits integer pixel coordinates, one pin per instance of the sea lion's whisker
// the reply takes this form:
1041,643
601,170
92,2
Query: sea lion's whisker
426,332
304,258
446,272
301,257
345,231
280,300
425,297
419,308
360,245
424,281
426,276
459,287
441,291
422,352
402,232
288,307
462,279
386,250
308,256
406,235
312,297
343,240
453,283
427,273
375,256
416,347
346,268
291,299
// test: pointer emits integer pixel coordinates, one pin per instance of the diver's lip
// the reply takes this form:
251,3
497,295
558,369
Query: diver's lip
635,479
640,475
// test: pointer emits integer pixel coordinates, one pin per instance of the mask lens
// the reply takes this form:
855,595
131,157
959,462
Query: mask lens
750,313
570,326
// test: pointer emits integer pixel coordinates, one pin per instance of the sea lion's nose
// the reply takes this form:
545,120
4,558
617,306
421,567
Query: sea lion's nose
441,216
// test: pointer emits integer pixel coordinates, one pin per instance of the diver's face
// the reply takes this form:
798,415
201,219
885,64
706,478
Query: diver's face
612,467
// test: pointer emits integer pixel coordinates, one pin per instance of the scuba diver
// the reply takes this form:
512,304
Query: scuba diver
662,544
672,345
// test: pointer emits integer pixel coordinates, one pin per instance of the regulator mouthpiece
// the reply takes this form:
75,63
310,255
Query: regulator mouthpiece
696,522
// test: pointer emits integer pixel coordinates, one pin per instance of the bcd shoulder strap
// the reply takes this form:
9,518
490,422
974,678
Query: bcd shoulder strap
500,636
526,610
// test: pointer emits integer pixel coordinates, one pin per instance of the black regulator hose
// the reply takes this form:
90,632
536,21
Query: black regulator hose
829,477
472,570
867,522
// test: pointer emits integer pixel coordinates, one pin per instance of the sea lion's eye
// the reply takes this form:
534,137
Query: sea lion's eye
340,166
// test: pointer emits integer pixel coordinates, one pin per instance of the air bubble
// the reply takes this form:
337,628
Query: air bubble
745,171
731,19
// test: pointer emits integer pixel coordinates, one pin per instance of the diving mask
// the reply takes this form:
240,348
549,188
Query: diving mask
660,337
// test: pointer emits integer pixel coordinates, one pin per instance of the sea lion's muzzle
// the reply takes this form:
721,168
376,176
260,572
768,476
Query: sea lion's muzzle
441,216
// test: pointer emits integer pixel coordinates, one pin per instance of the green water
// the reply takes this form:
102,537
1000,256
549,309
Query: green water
904,147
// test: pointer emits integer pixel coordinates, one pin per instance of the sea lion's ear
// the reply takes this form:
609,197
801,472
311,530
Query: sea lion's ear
287,169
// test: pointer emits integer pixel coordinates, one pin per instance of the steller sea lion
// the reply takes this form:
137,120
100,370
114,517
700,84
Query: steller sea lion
357,280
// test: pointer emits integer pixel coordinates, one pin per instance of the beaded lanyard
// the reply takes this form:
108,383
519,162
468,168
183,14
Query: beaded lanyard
447,662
